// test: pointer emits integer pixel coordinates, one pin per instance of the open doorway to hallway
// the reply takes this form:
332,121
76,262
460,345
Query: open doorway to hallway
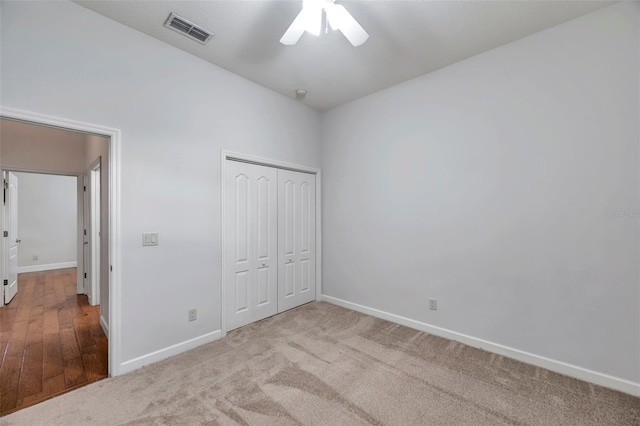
53,326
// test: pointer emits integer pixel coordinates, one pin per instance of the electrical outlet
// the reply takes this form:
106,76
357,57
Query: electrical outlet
35,257
193,314
433,304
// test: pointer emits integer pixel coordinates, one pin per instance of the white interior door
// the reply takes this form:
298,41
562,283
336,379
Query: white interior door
296,239
251,240
86,221
11,235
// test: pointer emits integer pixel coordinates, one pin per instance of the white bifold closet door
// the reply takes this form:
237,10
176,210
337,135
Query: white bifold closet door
251,243
296,239
269,241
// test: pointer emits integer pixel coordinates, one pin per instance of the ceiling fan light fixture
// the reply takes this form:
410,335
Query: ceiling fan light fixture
309,19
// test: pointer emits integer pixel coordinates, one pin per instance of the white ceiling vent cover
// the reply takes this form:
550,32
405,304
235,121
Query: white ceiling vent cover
188,28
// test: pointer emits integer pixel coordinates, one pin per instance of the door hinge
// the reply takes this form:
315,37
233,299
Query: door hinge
84,188
5,233
6,282
85,232
85,275
111,268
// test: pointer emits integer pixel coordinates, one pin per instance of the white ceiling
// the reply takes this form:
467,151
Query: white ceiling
407,39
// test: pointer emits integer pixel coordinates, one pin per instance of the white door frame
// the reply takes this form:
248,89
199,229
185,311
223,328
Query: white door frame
252,159
6,244
95,208
114,215
83,183
93,289
4,260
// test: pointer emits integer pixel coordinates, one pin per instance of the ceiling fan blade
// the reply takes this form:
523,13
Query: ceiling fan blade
313,19
309,19
342,20
313,4
295,30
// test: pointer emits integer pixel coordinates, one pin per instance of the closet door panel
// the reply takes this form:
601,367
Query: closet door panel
251,241
296,239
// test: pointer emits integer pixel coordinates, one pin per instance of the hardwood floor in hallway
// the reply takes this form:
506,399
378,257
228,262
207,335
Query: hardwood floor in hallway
50,340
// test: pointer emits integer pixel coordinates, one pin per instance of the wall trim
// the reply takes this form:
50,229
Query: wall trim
105,326
169,351
564,368
47,267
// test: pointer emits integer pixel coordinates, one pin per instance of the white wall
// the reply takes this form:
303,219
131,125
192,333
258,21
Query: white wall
47,214
176,113
484,185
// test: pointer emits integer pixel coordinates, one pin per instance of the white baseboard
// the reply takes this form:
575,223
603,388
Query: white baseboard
46,267
591,376
176,349
105,327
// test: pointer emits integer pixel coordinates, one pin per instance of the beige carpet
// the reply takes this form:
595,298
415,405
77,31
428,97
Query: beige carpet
324,365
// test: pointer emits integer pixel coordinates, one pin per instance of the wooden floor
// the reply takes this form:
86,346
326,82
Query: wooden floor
50,338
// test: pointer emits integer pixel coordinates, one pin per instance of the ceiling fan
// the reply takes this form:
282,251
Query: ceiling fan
310,19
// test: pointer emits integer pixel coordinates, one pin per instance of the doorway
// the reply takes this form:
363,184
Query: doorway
39,224
102,226
271,244
54,340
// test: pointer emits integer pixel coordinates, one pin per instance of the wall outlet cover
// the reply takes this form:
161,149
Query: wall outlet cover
433,304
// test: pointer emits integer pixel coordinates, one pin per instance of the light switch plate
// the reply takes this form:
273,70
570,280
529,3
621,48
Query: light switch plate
149,238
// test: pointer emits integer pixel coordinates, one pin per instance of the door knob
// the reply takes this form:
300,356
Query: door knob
264,264
290,260
18,241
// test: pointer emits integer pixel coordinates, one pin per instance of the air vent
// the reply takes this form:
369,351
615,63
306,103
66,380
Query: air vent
187,28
